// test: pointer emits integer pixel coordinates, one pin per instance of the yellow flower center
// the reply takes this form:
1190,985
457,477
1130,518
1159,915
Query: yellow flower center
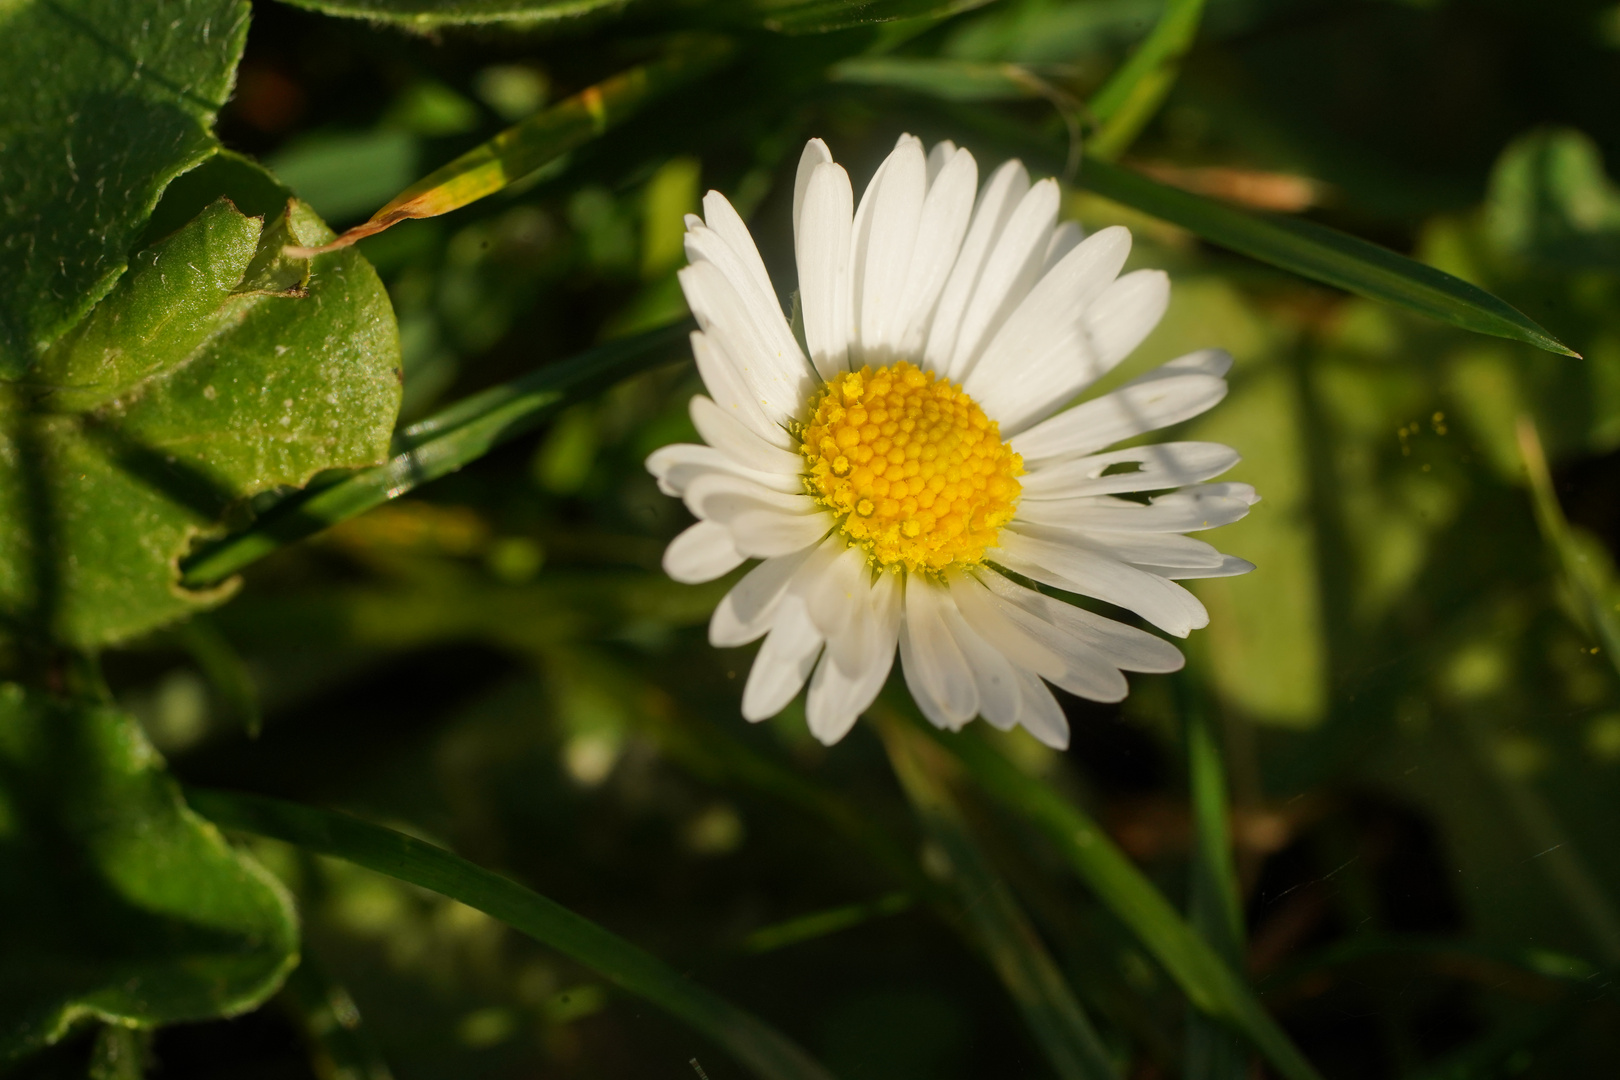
915,471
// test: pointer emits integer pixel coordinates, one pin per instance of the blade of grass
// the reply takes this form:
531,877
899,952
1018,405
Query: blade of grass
441,444
1128,100
1026,969
1207,981
1485,963
822,923
1582,573
750,1040
1214,908
521,149
951,79
227,673
1325,255
825,16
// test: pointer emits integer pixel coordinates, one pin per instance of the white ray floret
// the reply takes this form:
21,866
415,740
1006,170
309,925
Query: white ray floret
921,447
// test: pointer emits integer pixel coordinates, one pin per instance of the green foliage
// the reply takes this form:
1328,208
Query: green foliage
1003,930
122,905
215,369
427,14
138,95
1396,854
766,1052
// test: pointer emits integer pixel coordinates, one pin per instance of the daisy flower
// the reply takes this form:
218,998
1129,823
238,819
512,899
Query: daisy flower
908,467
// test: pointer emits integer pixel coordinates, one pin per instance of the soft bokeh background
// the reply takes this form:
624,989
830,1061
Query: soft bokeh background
1422,731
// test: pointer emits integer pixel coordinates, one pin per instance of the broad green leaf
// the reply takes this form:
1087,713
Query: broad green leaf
1209,983
436,446
216,369
106,101
763,1049
1551,202
428,14
521,149
822,16
1027,970
1324,255
1128,100
121,904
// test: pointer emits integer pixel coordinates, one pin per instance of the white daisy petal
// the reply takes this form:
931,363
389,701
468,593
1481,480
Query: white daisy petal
1079,667
945,215
778,378
731,391
823,257
701,553
1138,549
729,435
937,157
883,242
1166,395
1046,351
992,672
815,153
934,669
838,697
717,495
1161,602
839,598
1125,313
1010,271
746,274
1065,238
1000,197
1013,314
1201,506
1124,646
1231,566
1159,466
720,216
745,612
783,662
1039,712
676,466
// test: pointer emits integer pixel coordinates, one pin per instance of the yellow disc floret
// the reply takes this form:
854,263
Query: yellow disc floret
915,471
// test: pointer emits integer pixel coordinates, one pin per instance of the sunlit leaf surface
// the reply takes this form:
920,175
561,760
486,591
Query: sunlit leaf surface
137,94
214,370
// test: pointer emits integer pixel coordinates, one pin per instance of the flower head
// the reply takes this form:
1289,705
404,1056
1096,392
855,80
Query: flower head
896,479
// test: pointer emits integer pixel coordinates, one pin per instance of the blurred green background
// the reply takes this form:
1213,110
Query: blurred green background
1418,710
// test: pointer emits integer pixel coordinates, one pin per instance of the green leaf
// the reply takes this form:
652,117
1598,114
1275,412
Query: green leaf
1208,982
121,904
427,14
1215,907
766,1051
1324,255
1585,565
106,101
1128,100
216,369
436,446
543,138
1026,968
943,77
822,16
